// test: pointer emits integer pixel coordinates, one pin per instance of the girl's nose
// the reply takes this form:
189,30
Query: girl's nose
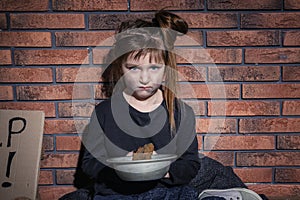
144,77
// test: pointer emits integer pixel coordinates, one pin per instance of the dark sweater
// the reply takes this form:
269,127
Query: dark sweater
116,128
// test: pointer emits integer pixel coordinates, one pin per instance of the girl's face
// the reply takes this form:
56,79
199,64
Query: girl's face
142,76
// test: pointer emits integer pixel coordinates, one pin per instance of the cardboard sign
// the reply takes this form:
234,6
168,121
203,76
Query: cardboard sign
21,134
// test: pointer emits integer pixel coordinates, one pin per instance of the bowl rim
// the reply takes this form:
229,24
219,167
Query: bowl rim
163,157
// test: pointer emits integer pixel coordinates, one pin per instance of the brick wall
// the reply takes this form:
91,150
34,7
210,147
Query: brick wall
256,47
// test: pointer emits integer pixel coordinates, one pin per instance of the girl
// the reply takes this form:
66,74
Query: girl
140,110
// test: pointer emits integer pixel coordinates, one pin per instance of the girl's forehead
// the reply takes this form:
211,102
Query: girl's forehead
145,58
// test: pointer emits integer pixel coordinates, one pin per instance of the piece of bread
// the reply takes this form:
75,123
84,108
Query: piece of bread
143,153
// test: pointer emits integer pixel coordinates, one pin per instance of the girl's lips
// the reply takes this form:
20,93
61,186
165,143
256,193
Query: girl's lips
145,88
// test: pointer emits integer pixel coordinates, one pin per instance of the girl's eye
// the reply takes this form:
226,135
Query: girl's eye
133,68
154,67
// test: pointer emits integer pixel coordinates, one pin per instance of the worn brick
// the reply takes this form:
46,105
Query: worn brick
268,159
200,144
91,5
254,175
98,94
269,125
47,21
54,192
214,56
51,57
99,56
82,74
53,92
291,38
225,158
291,108
25,39
243,108
192,73
243,5
270,20
47,107
272,55
48,144
64,126
283,175
3,23
84,38
288,142
242,38
25,75
271,91
45,177
239,142
292,4
136,5
215,125
59,160
65,177
291,73
192,38
5,57
208,91
197,106
29,5
67,143
277,191
244,73
6,93
75,109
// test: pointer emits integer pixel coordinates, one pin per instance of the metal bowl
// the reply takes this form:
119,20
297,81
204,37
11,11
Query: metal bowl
142,170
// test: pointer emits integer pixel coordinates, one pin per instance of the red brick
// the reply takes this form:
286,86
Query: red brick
65,177
269,125
67,143
288,142
84,38
291,38
3,23
98,94
215,56
48,108
47,21
5,57
291,73
136,5
209,91
192,73
29,5
243,108
53,92
60,160
24,75
272,55
48,144
200,145
75,109
238,142
54,192
210,20
192,38
25,39
91,5
291,4
277,191
51,57
82,74
270,20
99,55
242,38
244,73
268,159
214,125
64,126
254,175
243,5
271,91
197,106
287,175
45,177
291,108
6,93
226,158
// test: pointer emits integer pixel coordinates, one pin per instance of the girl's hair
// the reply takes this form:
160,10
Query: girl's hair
138,38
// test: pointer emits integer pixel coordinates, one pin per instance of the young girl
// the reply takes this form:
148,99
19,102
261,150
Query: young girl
143,109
